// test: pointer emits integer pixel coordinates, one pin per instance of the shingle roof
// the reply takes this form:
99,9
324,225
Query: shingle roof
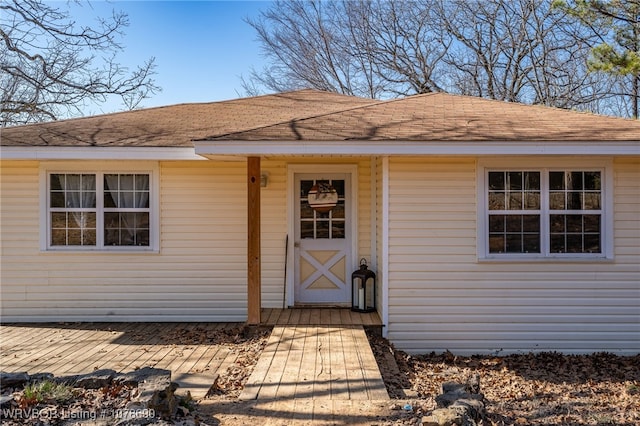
178,125
446,117
321,116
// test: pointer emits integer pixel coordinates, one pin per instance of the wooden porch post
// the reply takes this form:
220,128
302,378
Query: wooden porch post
254,285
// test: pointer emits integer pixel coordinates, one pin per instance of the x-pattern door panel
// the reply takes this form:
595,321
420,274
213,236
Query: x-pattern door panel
323,241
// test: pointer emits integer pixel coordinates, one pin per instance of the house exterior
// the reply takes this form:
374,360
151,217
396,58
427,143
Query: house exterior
492,227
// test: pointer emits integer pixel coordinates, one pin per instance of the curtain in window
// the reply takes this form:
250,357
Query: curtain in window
126,192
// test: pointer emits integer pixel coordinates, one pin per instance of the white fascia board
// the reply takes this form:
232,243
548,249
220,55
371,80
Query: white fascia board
258,148
97,153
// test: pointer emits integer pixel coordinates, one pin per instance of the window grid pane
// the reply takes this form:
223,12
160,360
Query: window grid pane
73,210
514,190
575,190
514,205
73,229
126,229
575,233
511,233
126,191
126,215
575,200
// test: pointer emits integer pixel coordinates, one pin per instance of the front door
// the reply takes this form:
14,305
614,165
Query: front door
323,235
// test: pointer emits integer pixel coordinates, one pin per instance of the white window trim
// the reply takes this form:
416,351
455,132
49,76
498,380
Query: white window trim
150,168
544,165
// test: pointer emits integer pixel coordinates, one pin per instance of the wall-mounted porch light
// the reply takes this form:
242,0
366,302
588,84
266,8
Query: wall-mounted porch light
264,179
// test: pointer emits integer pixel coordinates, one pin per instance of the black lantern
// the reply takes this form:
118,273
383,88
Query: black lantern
363,289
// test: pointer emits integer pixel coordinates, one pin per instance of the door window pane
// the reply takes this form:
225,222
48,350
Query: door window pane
337,230
322,229
307,229
306,211
318,224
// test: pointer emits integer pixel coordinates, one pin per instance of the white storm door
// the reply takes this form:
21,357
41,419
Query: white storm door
323,242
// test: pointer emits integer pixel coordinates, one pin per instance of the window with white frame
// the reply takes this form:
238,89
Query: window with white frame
514,212
547,212
99,210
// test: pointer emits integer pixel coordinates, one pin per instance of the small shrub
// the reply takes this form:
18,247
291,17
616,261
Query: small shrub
46,391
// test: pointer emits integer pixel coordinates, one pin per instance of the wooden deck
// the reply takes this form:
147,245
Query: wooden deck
311,353
187,349
319,316
332,362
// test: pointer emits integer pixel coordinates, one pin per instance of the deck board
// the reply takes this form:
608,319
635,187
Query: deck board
332,362
66,349
319,316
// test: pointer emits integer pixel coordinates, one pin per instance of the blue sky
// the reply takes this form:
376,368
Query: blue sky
201,47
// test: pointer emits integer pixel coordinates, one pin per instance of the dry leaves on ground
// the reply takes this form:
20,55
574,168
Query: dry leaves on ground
530,389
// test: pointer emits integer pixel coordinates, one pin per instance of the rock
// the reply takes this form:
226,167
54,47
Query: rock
41,377
6,401
157,392
13,380
472,408
163,402
454,388
461,404
95,380
473,384
447,399
139,376
443,417
152,398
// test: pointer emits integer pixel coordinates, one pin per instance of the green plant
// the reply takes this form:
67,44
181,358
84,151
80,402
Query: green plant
46,391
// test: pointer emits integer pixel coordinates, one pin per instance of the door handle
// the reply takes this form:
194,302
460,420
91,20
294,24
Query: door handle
296,244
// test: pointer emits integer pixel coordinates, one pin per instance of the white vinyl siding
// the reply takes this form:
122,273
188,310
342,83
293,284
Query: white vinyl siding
198,273
442,298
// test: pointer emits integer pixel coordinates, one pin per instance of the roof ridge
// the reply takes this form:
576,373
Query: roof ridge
300,119
374,102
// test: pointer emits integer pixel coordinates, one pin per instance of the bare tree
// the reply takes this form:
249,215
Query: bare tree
300,38
50,66
366,48
521,50
399,42
518,51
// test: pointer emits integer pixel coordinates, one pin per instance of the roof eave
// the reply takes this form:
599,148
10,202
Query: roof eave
236,149
97,153
453,148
